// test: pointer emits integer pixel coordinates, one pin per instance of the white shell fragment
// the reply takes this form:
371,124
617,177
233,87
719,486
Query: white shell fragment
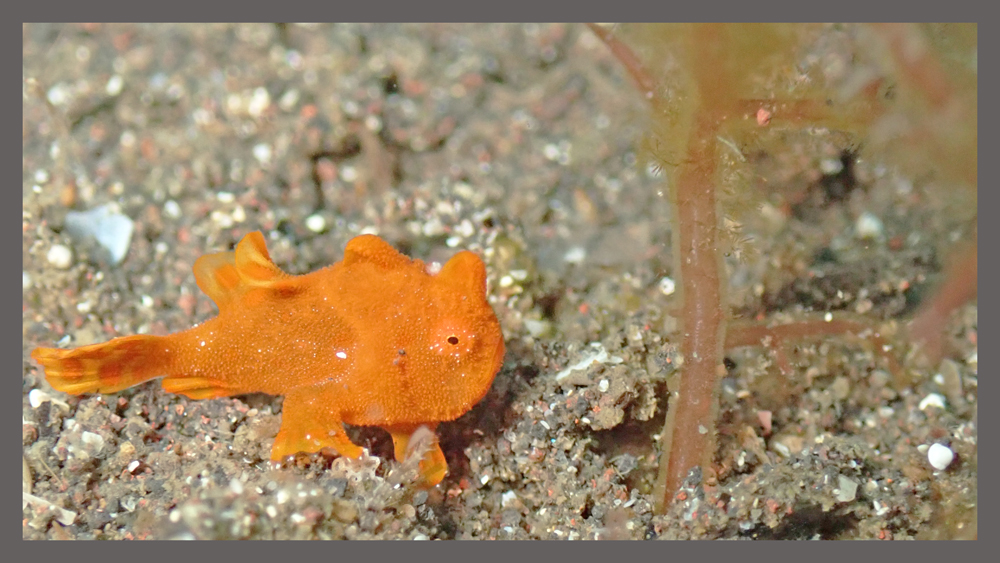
940,456
932,400
63,516
36,397
92,442
111,230
595,355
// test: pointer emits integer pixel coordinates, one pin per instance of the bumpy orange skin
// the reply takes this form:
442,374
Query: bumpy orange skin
374,340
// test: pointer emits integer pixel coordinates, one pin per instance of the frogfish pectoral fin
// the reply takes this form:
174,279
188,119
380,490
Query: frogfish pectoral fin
310,422
420,442
195,387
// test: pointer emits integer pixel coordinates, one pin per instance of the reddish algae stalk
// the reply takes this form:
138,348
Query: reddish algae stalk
691,429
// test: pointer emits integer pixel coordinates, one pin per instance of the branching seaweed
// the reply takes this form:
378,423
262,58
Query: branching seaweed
714,82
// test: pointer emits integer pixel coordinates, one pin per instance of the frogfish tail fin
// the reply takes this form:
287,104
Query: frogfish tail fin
107,367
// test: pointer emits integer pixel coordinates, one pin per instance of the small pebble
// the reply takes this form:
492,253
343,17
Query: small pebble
940,456
535,327
846,489
868,226
766,420
841,388
25,280
114,85
60,256
316,223
831,166
432,227
239,214
223,220
668,286
262,152
259,102
551,151
465,229
58,94
575,255
172,209
288,100
348,173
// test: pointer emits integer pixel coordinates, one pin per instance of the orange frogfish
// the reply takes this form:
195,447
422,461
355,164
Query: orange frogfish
374,340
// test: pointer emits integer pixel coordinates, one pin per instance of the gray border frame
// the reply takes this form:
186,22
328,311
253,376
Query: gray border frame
403,11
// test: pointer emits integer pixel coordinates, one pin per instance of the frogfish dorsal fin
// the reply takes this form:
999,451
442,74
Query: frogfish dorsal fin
373,250
466,271
224,276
